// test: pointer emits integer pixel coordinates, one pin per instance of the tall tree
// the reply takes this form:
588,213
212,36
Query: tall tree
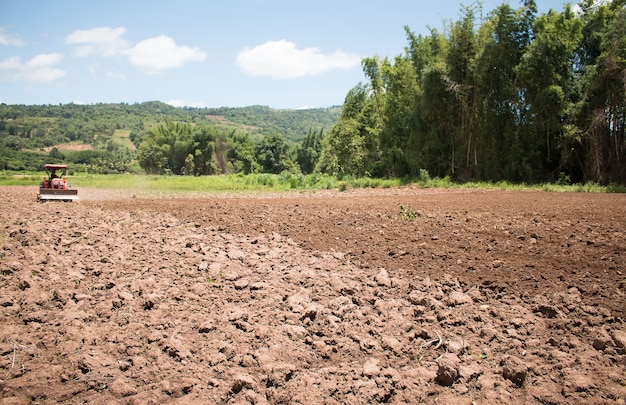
603,109
500,151
272,154
429,143
461,83
546,84
241,153
308,151
400,84
167,148
352,145
204,151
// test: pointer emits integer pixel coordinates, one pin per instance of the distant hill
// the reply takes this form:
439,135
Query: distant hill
293,124
111,126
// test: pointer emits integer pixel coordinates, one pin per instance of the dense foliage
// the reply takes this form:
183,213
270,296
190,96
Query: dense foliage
157,138
517,96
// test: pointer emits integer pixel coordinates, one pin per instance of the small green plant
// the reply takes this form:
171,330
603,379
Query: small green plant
343,186
480,356
563,179
424,176
407,213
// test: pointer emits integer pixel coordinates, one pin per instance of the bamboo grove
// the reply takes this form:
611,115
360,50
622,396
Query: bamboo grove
507,95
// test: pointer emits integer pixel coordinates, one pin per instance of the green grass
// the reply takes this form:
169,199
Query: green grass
121,138
278,182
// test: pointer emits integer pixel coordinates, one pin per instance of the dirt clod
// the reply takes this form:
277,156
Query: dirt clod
448,369
515,370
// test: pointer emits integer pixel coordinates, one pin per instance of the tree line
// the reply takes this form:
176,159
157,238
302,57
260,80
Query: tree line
182,149
512,96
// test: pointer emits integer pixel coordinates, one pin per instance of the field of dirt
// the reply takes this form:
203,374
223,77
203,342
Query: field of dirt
401,295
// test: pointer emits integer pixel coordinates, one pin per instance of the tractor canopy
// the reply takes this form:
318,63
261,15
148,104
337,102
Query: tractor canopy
55,167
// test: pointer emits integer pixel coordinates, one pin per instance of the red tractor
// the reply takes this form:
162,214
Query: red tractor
55,186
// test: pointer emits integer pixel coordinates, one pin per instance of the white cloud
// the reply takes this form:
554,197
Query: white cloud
40,69
152,55
9,39
103,41
282,60
161,53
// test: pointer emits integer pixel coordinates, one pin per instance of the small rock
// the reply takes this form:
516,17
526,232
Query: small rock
601,341
382,278
371,368
619,337
488,334
230,274
241,381
124,365
458,298
206,327
241,283
6,301
418,298
122,387
454,346
548,310
393,344
259,285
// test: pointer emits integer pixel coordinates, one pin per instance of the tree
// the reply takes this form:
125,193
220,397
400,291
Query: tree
308,151
352,146
152,158
272,154
461,82
242,153
545,75
203,156
167,148
602,115
401,88
498,152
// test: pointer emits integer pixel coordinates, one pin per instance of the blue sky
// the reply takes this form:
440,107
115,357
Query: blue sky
233,53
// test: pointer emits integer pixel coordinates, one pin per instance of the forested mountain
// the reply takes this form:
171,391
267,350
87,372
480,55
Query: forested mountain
87,134
293,124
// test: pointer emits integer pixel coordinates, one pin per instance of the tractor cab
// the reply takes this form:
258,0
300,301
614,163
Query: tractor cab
55,186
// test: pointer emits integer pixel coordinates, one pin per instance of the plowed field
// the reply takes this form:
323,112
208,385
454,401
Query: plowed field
401,295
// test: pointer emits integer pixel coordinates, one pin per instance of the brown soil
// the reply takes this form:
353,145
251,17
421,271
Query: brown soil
482,297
